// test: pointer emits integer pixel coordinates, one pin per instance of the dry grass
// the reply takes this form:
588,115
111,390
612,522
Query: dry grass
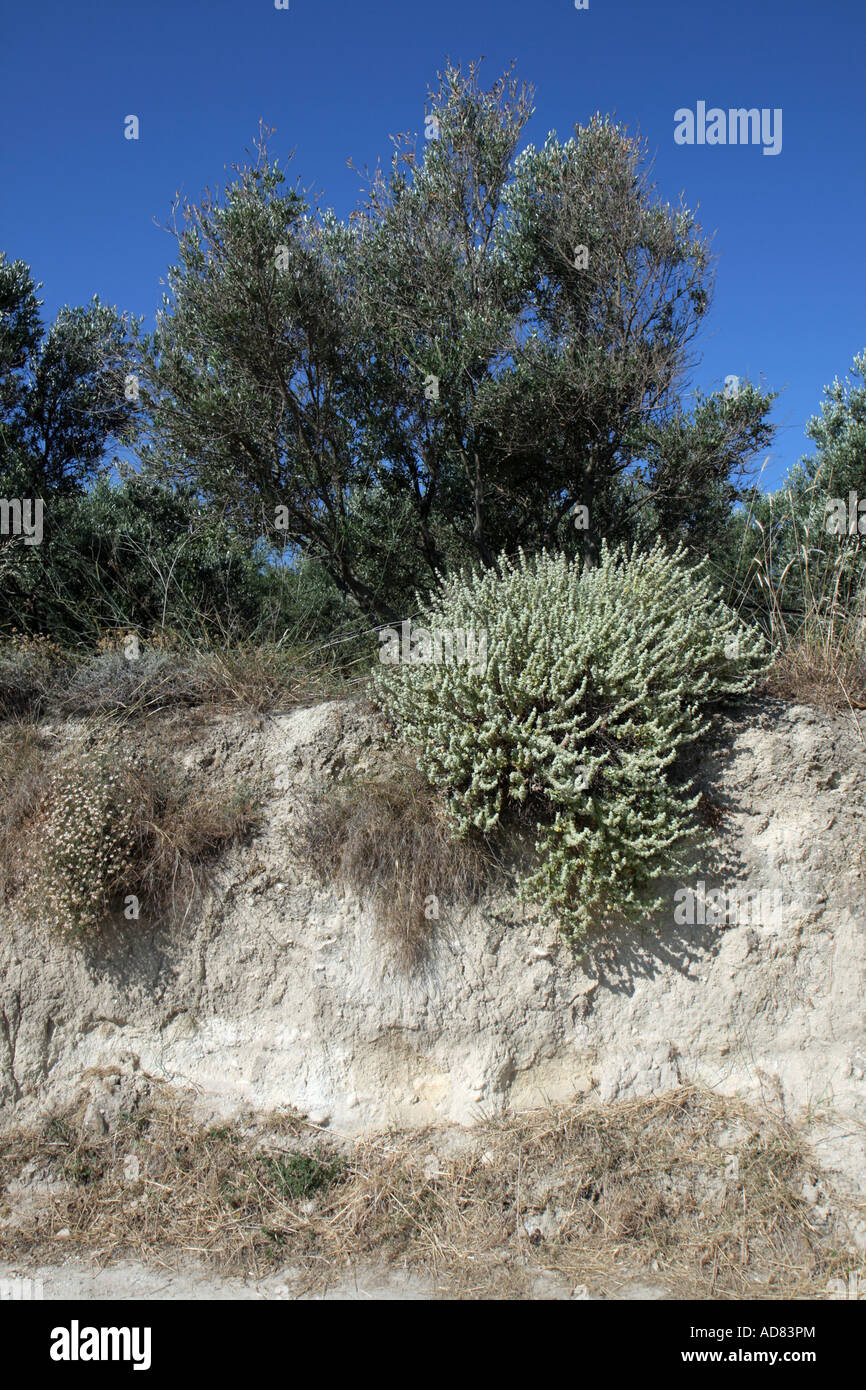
24,776
388,841
269,678
30,668
808,671
241,677
122,676
815,615
710,814
594,1196
180,829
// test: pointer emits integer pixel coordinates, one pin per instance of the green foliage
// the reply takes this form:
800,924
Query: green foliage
137,555
63,393
595,680
436,380
495,337
839,435
301,1176
803,579
20,330
695,468
131,555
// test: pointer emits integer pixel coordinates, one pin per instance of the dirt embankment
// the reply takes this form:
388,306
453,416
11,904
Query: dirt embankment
278,994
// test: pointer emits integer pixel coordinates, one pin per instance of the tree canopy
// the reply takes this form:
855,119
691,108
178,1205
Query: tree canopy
496,337
65,393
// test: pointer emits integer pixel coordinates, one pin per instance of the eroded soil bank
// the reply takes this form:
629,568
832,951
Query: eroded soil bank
278,995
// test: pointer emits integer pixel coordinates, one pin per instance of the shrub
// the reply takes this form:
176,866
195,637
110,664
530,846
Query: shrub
595,680
299,1175
88,838
115,824
29,668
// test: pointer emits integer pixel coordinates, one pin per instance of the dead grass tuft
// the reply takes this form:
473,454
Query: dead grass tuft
710,813
132,678
31,666
24,761
180,829
811,674
388,841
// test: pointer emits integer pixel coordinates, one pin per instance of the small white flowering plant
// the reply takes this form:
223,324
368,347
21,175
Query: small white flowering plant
121,825
596,680
90,836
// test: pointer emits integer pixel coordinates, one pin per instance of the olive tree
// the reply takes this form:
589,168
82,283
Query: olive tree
489,349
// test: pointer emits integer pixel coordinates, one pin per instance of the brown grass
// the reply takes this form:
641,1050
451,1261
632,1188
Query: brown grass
710,813
808,672
38,678
181,828
815,615
389,842
594,1196
24,761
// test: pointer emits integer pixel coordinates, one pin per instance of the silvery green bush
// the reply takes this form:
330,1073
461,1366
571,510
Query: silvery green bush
596,679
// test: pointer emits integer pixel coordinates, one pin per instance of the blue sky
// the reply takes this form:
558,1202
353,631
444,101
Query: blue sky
78,200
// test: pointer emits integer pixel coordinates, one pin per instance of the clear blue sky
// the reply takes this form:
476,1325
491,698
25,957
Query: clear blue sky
78,201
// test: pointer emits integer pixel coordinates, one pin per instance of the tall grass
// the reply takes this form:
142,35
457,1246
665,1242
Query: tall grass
807,589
